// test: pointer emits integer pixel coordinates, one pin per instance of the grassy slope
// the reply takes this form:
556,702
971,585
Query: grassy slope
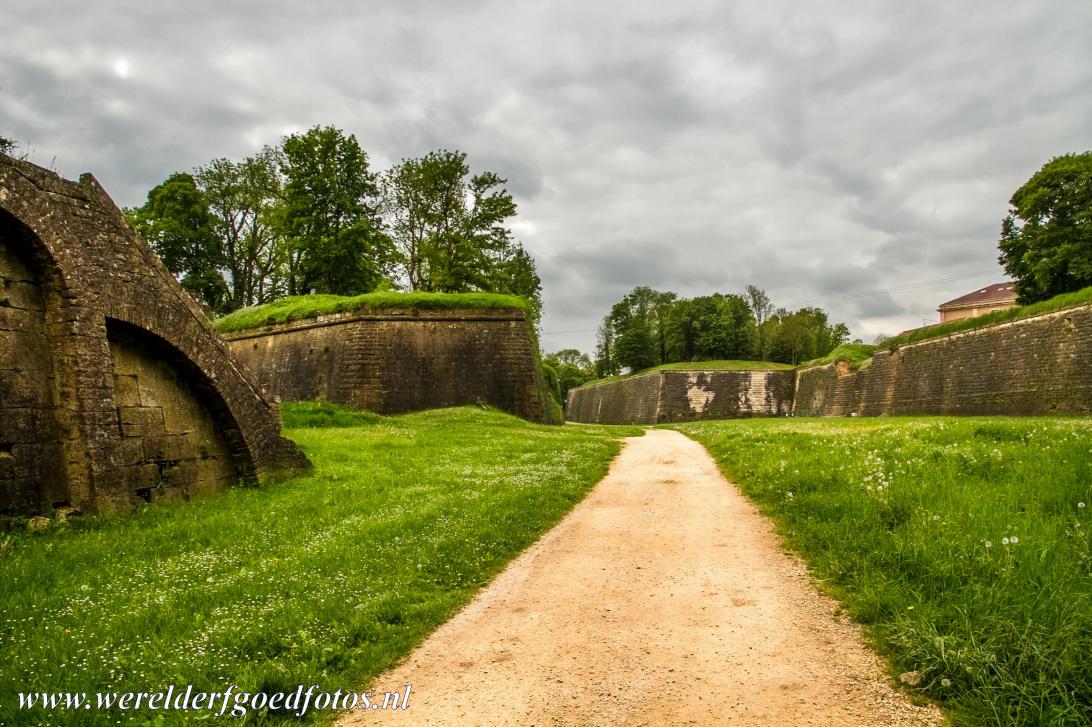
855,353
699,366
894,515
309,306
325,579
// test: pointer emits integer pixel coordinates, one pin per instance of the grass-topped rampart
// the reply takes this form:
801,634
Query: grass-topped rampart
300,307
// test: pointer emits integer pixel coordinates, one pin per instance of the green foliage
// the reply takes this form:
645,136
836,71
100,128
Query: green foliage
450,229
648,328
243,200
803,335
639,325
175,221
329,215
309,306
307,217
326,579
573,369
7,146
710,327
1046,239
962,543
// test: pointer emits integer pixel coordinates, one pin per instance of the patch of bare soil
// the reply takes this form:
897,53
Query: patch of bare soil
662,599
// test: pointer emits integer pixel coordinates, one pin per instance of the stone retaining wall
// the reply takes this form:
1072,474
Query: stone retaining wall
395,361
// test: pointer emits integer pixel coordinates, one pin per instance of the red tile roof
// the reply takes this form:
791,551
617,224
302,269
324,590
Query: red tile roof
996,293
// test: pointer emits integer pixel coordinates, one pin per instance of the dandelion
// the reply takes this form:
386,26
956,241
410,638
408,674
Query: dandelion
945,682
1080,505
989,543
1014,540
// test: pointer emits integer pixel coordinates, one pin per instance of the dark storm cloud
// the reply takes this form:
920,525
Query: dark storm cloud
814,151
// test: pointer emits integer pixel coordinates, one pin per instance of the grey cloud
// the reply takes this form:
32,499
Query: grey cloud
812,151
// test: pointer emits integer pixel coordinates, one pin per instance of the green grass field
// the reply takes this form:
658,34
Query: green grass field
963,545
325,579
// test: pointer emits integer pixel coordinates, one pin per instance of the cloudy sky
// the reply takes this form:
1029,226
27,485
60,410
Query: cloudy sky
818,150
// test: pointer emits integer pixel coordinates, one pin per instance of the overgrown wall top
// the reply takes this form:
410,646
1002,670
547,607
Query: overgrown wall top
395,361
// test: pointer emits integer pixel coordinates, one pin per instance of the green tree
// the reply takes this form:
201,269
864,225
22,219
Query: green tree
605,363
176,222
515,274
1046,239
7,146
573,369
242,200
329,215
761,309
804,335
449,228
710,327
637,330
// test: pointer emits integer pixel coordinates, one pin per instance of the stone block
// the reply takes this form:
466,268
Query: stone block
139,421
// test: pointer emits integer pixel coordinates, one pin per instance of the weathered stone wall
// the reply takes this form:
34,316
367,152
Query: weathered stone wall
1040,365
678,396
395,361
87,313
634,400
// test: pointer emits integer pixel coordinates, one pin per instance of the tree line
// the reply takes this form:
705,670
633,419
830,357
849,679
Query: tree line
648,328
311,216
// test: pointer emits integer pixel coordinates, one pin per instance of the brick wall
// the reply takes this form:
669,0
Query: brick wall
677,396
396,361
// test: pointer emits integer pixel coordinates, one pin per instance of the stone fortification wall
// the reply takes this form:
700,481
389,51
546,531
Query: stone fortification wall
678,396
1040,365
395,361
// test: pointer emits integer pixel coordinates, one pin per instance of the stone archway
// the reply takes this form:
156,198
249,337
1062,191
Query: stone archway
177,439
32,461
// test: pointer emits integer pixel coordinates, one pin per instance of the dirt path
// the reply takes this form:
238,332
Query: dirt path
662,599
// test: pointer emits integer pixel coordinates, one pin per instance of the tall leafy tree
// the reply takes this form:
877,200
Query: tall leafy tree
636,325
1046,239
711,327
605,362
761,309
329,215
449,227
804,335
176,222
515,274
573,369
242,199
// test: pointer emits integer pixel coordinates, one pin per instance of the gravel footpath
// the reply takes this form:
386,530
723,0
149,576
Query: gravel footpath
662,599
